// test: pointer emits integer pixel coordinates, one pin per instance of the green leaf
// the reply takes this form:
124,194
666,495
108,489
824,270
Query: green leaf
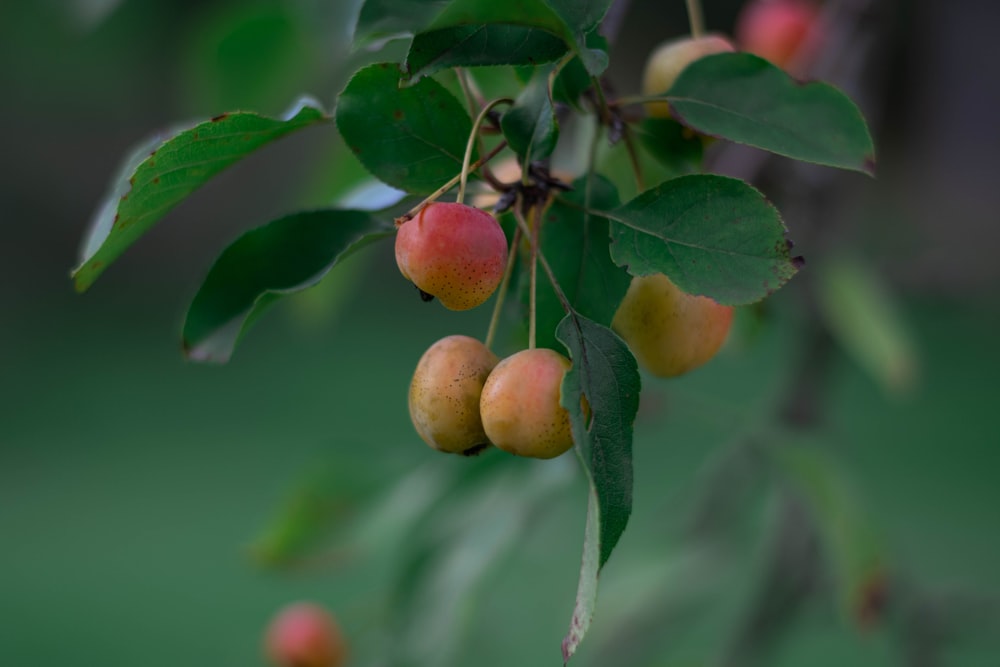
673,145
604,373
530,125
411,138
280,258
474,45
383,19
743,98
711,235
567,19
865,320
577,244
573,80
163,172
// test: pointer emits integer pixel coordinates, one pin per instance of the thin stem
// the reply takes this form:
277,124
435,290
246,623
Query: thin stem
602,101
465,85
633,158
533,298
464,176
502,290
695,18
523,226
450,184
629,100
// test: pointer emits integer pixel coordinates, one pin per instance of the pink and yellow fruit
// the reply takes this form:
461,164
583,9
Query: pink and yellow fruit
520,405
454,252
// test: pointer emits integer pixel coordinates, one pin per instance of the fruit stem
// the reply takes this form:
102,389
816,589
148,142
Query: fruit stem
464,176
533,300
695,18
450,184
523,226
502,290
633,158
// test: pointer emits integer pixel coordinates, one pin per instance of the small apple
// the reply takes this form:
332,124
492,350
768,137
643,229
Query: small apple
304,634
669,59
454,252
669,331
520,405
445,392
785,32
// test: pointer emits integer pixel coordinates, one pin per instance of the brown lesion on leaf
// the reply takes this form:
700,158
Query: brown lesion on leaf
221,116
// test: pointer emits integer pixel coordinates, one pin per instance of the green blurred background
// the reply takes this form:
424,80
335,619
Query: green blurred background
134,485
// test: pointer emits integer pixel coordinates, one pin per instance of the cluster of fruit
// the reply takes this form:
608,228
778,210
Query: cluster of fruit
463,398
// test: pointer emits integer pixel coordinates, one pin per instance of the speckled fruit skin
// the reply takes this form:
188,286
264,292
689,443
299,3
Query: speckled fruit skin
454,252
445,391
776,29
669,59
304,634
520,405
669,331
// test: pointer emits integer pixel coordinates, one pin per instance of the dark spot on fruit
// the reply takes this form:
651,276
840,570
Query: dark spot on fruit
476,450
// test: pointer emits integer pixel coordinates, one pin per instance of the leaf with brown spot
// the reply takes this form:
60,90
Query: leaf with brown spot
146,189
711,235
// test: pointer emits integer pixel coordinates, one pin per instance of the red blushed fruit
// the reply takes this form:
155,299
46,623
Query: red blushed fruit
454,252
782,31
304,634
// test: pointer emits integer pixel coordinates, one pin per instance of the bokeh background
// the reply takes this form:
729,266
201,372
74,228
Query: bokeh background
145,500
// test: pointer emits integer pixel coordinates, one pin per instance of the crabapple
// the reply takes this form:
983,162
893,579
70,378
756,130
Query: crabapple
669,59
304,634
782,31
520,404
444,394
669,331
454,252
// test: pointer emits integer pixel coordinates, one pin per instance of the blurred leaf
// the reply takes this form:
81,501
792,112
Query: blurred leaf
246,56
475,45
530,126
455,549
865,320
152,185
266,263
601,393
411,138
853,545
743,98
711,235
673,145
579,256
383,19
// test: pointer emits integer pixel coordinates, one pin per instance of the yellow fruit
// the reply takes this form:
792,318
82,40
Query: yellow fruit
669,331
520,405
444,394
669,59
